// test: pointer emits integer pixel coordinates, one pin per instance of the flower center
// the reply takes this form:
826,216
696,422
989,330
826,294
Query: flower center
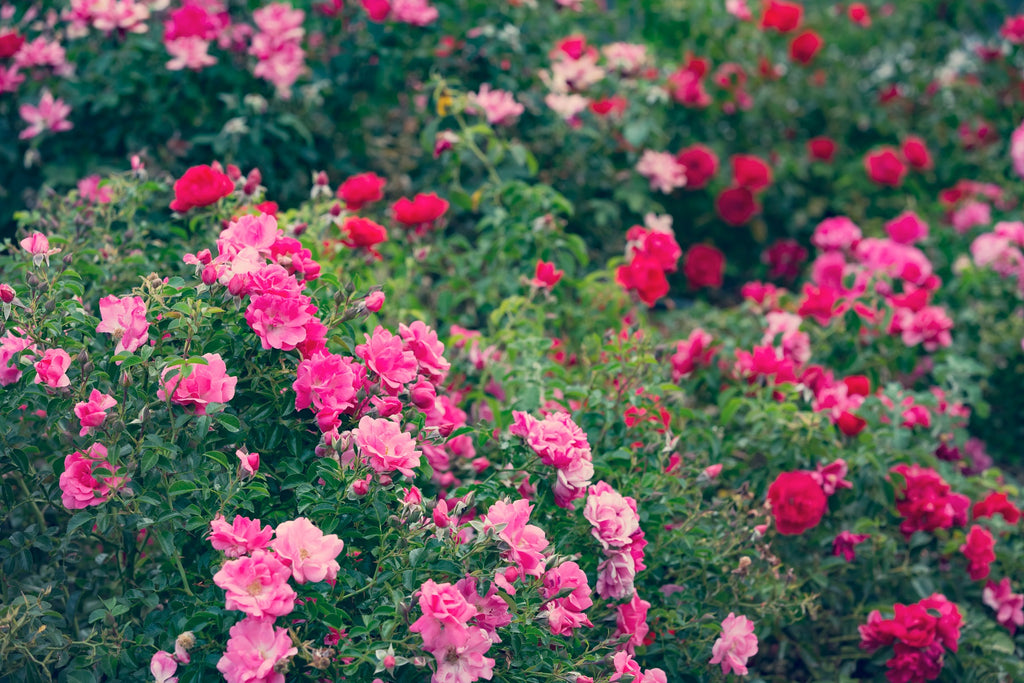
254,588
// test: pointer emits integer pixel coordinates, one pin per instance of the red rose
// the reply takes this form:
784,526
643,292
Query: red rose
10,43
797,502
644,276
850,424
200,186
421,209
362,232
857,385
782,16
700,163
609,106
268,207
361,189
885,167
736,205
190,21
858,13
784,259
545,275
821,149
1013,29
979,552
703,266
916,153
377,10
750,172
805,46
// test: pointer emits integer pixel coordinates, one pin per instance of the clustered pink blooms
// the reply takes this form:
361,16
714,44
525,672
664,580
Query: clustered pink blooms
254,650
565,614
80,487
457,646
499,106
309,552
93,413
125,320
616,525
526,542
278,45
561,444
123,16
736,645
919,638
205,384
625,665
189,31
926,501
1009,606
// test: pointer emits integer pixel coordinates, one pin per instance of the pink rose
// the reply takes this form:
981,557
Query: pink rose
386,356
254,650
310,553
613,517
205,384
242,537
93,412
51,369
257,585
385,447
125,320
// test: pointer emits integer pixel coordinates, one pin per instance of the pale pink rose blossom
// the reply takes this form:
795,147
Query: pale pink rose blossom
693,352
257,585
385,447
163,666
258,232
626,57
739,9
662,170
970,215
832,477
460,656
189,52
1009,606
613,517
49,115
499,106
1017,149
125,320
93,413
38,245
255,649
90,190
567,106
327,382
310,553
52,368
615,576
735,646
11,345
414,12
242,537
280,322
204,385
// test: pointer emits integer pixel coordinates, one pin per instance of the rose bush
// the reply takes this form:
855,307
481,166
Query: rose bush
431,421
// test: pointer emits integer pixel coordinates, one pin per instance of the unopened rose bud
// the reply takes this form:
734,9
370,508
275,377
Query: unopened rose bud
299,228
335,209
49,306
374,301
423,395
234,172
209,275
440,514
321,178
68,258
389,662
7,293
361,487
33,281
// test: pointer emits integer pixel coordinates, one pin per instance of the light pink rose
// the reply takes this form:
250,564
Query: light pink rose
632,621
735,646
613,519
80,488
125,320
429,351
310,553
526,541
254,650
280,322
257,585
162,666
